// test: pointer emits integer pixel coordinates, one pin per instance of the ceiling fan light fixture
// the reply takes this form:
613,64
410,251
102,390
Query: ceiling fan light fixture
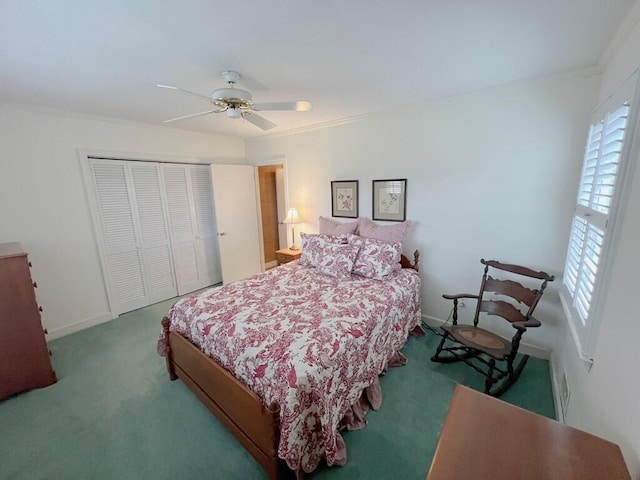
234,113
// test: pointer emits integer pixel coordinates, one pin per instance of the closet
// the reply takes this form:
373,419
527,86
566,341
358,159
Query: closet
156,230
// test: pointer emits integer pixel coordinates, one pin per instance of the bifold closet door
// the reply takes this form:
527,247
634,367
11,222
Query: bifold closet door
121,252
192,225
207,249
157,229
155,243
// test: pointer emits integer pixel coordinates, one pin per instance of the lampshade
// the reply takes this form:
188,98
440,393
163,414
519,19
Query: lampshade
292,217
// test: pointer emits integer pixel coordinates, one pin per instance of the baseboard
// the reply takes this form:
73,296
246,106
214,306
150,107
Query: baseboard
270,265
76,327
555,386
526,348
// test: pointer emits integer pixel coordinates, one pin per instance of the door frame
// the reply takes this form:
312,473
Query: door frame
274,160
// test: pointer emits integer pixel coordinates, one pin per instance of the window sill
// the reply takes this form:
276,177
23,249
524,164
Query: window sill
571,319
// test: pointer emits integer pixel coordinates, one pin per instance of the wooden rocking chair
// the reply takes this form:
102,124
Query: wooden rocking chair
485,351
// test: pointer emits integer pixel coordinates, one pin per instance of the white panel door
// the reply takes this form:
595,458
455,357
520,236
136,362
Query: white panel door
182,227
236,207
123,262
154,232
207,251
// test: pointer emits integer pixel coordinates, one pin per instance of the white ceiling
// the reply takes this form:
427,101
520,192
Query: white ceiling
347,57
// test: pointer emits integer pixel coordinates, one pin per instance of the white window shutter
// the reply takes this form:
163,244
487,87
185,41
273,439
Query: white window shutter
590,229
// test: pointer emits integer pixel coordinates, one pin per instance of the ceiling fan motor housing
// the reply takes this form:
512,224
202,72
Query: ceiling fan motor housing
232,98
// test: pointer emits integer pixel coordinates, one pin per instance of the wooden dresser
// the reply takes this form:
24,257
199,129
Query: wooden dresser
24,357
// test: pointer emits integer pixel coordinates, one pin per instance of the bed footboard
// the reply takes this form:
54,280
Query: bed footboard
241,411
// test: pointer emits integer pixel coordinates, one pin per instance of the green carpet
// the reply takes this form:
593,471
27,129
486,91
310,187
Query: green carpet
114,414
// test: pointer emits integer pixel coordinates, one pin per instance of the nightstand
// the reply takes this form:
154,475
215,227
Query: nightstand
286,255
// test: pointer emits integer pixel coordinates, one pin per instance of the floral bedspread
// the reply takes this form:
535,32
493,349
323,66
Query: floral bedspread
305,340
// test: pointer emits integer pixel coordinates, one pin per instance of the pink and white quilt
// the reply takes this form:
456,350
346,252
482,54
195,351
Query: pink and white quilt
308,341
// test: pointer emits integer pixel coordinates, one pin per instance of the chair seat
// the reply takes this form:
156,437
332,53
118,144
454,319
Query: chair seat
480,339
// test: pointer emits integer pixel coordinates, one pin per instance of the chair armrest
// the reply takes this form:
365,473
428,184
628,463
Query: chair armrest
458,296
522,326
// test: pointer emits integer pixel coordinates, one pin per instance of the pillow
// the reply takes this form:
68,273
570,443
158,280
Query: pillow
387,233
376,259
337,260
331,227
312,246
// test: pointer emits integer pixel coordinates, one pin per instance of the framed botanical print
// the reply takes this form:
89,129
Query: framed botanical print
390,200
344,198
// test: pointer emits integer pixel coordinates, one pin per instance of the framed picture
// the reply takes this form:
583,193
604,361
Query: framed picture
344,198
390,200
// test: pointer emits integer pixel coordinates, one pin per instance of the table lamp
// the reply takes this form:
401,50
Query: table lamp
293,218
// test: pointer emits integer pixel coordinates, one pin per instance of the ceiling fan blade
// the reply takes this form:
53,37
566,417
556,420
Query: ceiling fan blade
299,106
183,90
191,116
258,121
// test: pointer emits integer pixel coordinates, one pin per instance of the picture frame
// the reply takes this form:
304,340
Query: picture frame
344,198
389,199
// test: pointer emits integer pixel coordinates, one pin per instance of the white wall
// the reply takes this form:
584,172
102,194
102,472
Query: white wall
605,401
491,174
43,201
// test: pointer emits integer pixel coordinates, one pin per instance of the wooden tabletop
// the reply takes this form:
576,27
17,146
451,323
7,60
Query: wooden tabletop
484,438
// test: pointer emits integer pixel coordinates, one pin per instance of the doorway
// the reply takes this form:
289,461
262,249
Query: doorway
272,211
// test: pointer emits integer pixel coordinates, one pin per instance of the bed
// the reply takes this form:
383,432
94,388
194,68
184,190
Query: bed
283,358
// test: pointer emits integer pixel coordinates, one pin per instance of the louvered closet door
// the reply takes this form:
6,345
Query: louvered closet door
123,259
156,253
181,226
208,252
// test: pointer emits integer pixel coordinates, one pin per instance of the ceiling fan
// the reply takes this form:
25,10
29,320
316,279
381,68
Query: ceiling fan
239,103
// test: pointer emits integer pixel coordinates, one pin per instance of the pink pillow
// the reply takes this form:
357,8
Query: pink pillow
387,233
337,260
376,259
331,227
312,246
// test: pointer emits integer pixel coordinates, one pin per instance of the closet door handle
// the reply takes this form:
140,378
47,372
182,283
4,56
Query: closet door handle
222,234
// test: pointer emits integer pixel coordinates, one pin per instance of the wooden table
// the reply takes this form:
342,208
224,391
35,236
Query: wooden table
484,438
286,255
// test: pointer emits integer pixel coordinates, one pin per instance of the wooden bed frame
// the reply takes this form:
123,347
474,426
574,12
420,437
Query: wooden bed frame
241,411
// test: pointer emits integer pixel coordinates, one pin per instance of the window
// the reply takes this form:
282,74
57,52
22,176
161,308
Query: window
599,187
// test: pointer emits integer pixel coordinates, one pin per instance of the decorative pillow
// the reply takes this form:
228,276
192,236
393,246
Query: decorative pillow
387,233
312,245
337,260
376,259
331,227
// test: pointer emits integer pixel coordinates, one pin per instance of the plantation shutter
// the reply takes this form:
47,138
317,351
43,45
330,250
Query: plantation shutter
590,229
123,259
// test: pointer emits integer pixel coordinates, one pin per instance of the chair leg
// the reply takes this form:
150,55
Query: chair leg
511,379
436,356
490,380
